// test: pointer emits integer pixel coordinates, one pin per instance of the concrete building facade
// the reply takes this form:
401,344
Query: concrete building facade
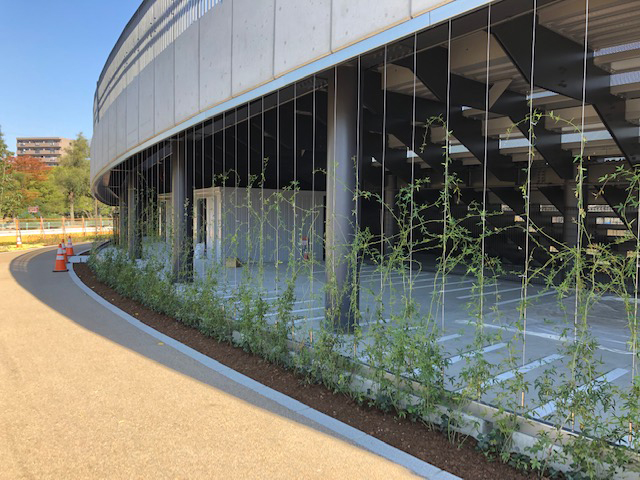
47,149
462,174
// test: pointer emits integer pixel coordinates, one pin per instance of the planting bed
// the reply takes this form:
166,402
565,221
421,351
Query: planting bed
412,437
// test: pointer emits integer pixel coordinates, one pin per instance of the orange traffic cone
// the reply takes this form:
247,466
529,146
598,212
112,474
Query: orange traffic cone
19,241
61,264
64,253
69,252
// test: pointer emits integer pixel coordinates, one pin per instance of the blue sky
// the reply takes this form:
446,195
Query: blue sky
51,54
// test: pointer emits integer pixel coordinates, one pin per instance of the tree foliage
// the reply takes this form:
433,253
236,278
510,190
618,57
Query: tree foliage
10,197
26,181
72,175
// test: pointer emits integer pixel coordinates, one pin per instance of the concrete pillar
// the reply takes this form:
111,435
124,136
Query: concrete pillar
182,211
342,298
390,224
122,216
134,235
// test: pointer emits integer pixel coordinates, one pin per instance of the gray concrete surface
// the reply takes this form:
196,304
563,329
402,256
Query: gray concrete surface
549,324
84,394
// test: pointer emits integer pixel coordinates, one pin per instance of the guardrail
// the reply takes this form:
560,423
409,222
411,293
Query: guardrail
55,226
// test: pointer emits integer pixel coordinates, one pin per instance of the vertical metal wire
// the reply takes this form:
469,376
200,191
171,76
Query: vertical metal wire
295,166
484,170
384,156
213,231
446,211
525,276
249,189
312,232
223,194
413,168
236,179
203,220
278,199
194,212
262,180
580,176
634,334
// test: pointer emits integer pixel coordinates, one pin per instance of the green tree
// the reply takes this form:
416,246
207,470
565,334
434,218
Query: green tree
72,175
10,198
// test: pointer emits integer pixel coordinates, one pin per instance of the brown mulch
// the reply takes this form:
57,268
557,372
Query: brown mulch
412,437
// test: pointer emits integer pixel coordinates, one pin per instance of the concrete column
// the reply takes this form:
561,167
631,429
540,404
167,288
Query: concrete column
122,216
390,224
134,235
182,211
342,146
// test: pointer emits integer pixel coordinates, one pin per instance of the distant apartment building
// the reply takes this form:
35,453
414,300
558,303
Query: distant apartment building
47,149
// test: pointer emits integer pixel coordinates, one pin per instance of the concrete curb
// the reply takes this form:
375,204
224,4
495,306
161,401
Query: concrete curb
356,436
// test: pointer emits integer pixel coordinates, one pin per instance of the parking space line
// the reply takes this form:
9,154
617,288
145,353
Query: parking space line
452,283
526,368
490,348
310,319
296,311
463,288
548,336
550,407
514,300
492,292
446,338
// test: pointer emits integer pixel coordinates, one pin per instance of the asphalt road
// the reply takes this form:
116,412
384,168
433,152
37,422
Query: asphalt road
83,394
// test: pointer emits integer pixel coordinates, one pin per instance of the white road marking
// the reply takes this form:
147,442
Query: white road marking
452,283
457,358
550,407
304,320
296,311
544,294
548,336
490,348
446,338
492,292
526,368
445,290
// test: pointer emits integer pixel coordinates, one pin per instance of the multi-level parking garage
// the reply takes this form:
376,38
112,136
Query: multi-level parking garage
491,145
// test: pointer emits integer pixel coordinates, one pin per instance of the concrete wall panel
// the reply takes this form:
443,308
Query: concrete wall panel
253,36
164,90
235,47
146,103
422,6
187,75
94,153
111,123
104,140
354,20
303,32
132,113
121,123
215,55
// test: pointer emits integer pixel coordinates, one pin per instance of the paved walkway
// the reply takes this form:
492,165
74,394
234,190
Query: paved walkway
84,394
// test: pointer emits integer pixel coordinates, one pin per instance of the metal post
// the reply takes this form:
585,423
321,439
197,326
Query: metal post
182,201
342,298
